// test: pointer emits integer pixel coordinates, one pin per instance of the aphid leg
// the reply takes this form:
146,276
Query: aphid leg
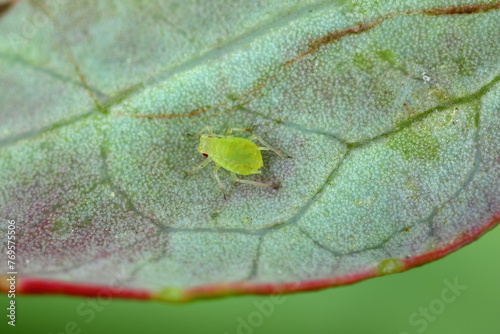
207,128
268,147
203,164
218,180
235,178
210,131
230,130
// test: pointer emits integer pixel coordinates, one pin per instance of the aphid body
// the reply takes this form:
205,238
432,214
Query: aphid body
237,155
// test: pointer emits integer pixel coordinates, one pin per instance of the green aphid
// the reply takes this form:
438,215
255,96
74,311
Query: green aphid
238,155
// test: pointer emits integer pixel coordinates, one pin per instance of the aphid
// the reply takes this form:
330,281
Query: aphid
238,155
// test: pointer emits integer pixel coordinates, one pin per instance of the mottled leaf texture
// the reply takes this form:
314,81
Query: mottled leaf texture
388,111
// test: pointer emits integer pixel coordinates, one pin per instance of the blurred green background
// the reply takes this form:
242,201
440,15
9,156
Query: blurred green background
380,305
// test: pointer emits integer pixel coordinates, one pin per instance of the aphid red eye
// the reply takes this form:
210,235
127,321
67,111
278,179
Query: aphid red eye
205,154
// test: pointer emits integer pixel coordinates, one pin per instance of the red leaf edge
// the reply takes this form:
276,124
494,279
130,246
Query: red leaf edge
29,285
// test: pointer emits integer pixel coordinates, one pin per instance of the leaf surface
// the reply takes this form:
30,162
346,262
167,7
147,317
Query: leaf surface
389,113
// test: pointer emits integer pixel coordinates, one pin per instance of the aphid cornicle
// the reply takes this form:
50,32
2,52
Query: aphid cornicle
238,155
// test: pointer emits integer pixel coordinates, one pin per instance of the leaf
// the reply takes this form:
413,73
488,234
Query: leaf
388,110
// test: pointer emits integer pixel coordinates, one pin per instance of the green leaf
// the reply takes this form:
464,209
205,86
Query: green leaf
389,111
